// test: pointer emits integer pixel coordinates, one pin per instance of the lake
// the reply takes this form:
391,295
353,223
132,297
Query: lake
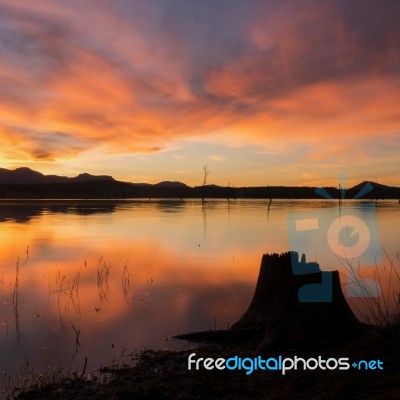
97,279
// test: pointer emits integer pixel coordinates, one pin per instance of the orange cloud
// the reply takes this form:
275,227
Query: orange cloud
136,77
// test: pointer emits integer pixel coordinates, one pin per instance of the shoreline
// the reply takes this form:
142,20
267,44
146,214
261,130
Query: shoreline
165,375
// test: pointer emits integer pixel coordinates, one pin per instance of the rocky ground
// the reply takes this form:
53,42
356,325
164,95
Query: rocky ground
164,375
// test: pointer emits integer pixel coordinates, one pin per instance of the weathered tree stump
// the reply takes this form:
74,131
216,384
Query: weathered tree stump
282,318
294,303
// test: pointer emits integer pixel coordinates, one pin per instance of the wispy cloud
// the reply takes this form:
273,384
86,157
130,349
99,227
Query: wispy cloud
215,157
138,76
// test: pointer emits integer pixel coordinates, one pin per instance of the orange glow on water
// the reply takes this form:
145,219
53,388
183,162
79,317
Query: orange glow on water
132,274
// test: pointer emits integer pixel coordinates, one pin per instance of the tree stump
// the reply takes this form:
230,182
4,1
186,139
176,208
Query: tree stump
294,304
282,318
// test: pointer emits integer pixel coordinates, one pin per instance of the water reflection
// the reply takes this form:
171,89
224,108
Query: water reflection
91,280
170,206
24,211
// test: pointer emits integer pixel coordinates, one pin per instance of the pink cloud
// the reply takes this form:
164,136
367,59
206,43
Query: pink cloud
134,77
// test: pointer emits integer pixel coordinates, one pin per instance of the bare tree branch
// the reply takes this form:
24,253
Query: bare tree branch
206,173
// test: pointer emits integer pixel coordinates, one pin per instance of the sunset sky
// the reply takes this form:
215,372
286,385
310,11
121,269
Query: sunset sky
263,92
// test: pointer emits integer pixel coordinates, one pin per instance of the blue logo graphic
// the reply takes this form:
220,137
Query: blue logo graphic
336,236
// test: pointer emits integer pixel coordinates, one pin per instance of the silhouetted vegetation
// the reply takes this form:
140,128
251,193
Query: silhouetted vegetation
24,183
121,190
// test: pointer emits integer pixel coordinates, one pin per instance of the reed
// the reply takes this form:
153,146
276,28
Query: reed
103,272
74,293
16,302
125,280
383,309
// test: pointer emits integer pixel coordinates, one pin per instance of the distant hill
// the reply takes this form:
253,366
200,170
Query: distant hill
374,185
27,176
24,183
373,190
87,177
170,184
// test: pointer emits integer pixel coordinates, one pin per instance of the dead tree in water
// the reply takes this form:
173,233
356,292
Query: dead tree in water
290,310
206,173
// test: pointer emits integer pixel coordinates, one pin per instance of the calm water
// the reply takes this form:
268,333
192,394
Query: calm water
97,279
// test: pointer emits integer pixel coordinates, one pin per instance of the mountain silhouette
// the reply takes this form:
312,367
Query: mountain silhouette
170,184
27,176
25,183
372,190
